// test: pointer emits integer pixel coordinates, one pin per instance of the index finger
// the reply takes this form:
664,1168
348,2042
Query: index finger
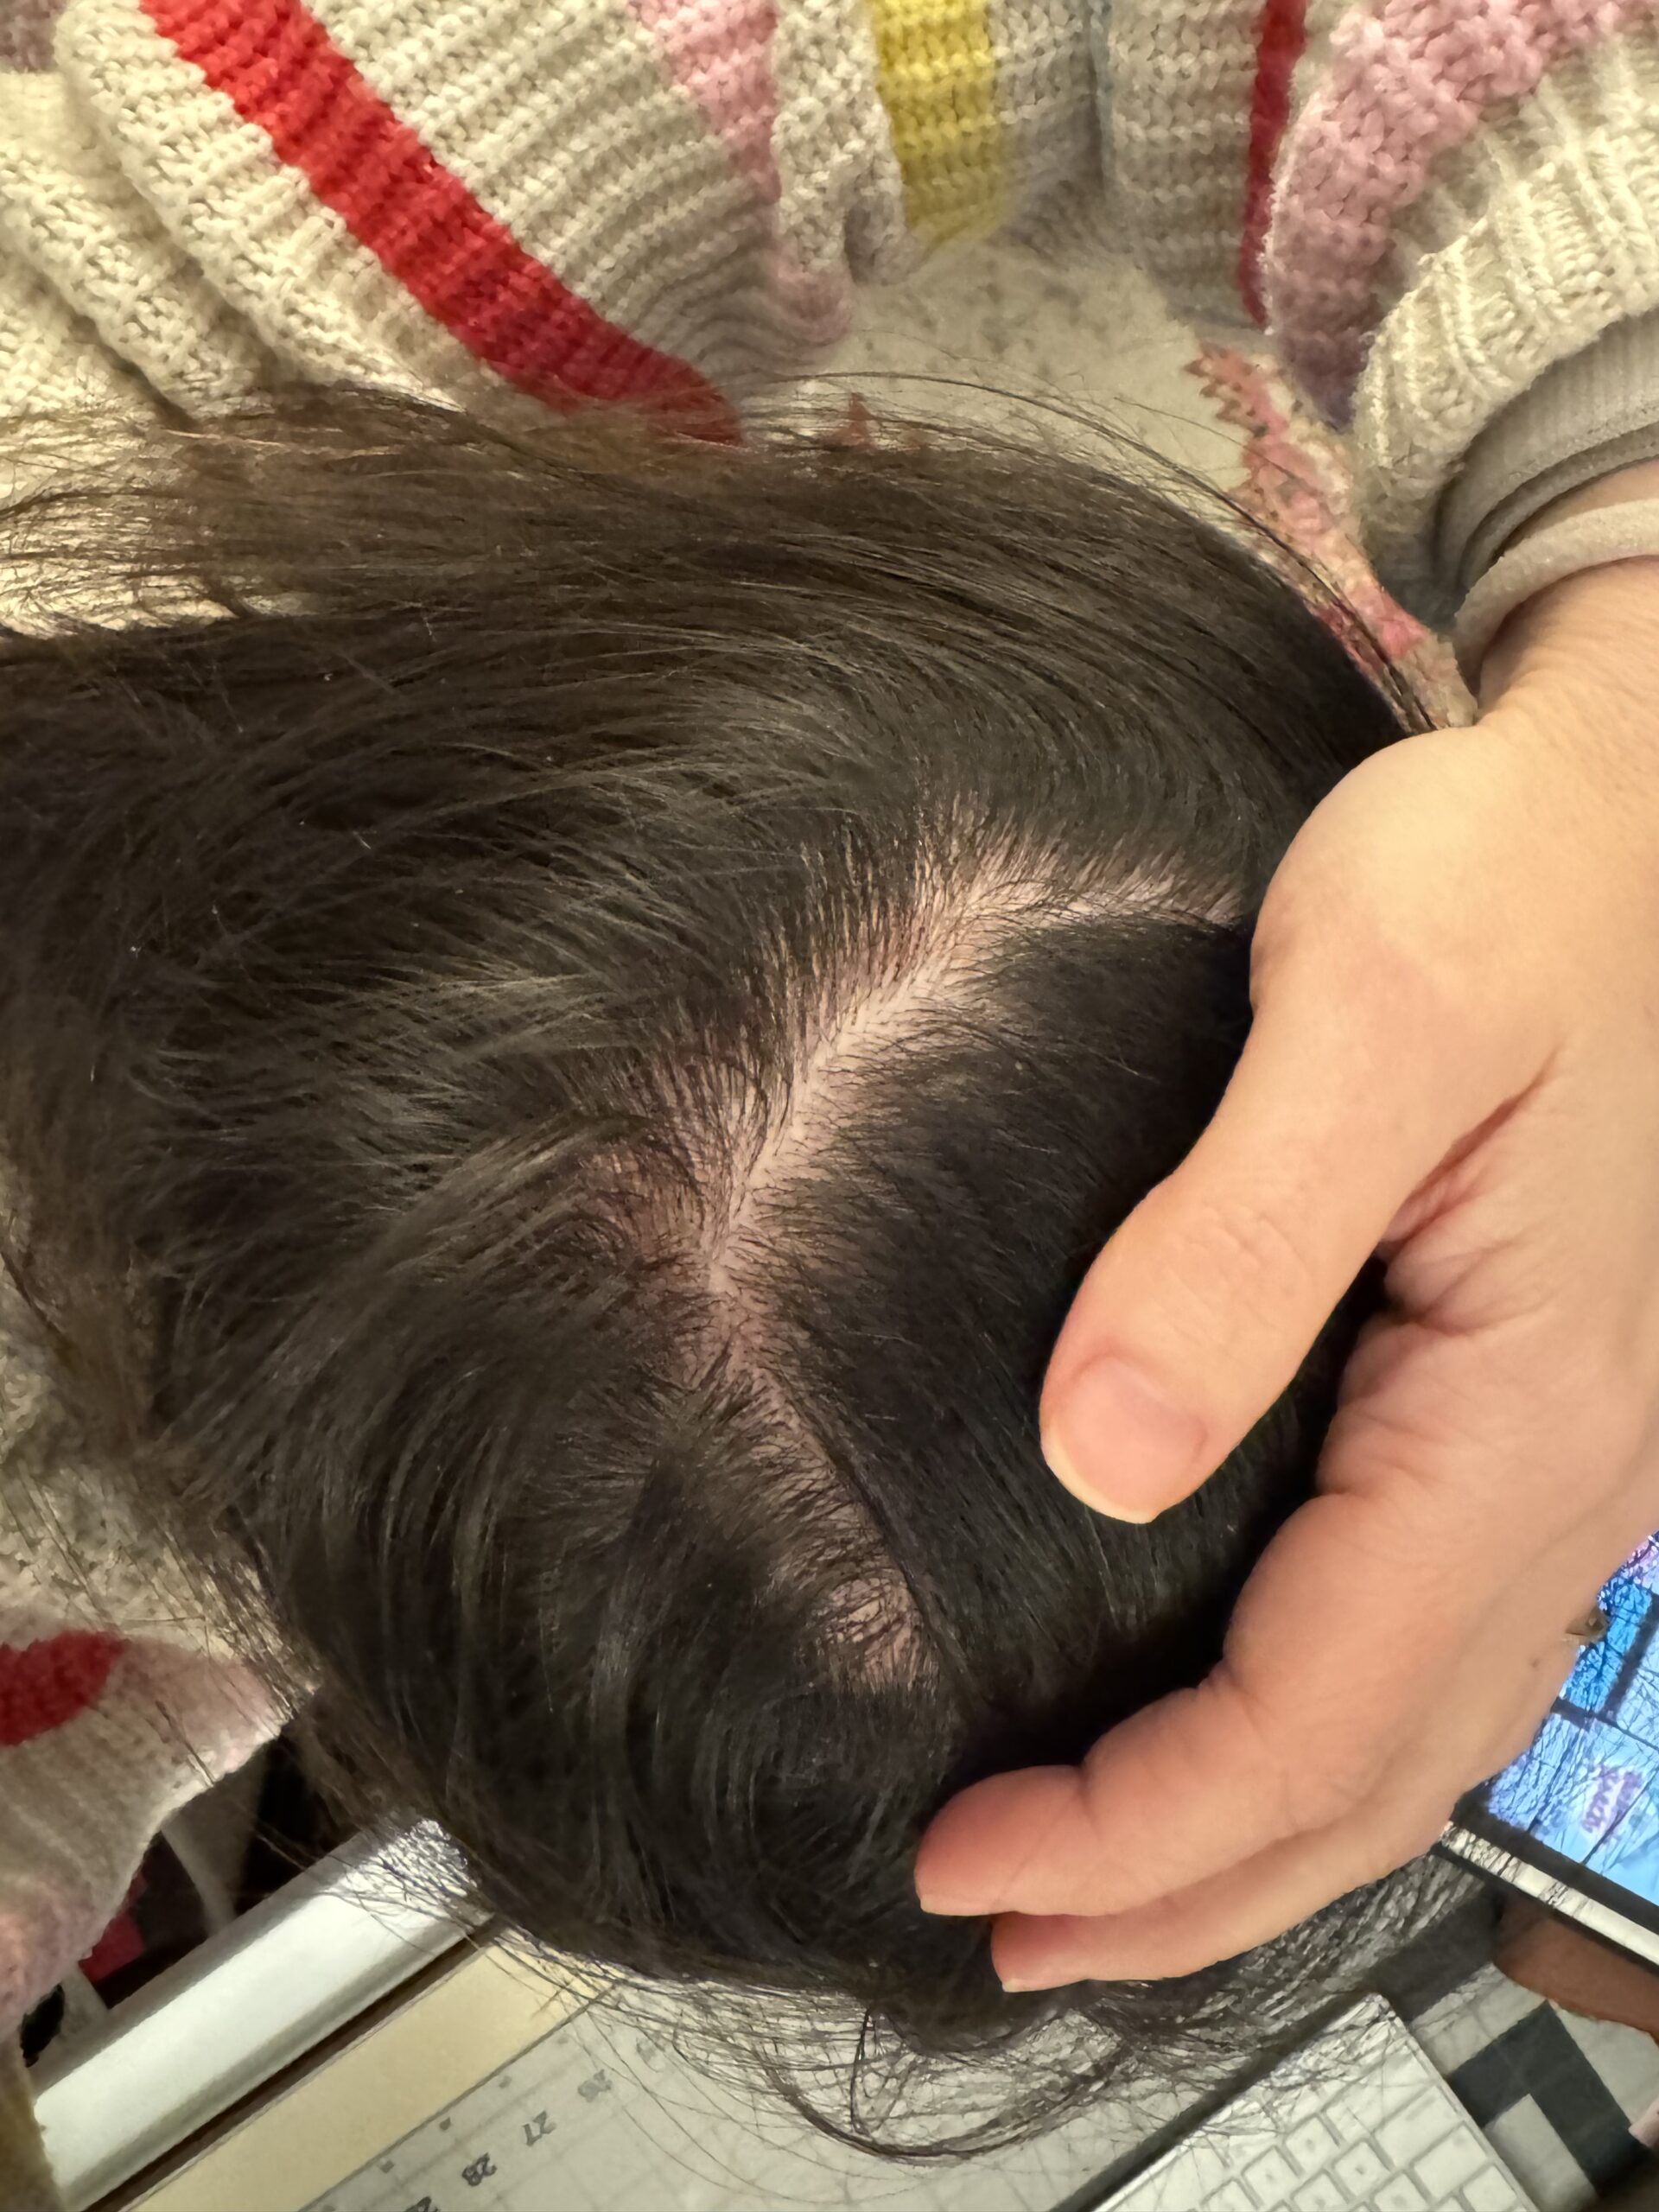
1296,1725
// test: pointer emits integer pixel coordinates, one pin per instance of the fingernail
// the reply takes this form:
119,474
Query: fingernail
1019,1986
952,1908
1063,1465
1127,1424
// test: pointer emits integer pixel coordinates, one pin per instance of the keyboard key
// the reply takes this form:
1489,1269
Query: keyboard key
1325,2193
1271,2178
1231,2197
1445,2167
1310,2146
1360,2169
1490,2192
1400,2194
1405,2133
1383,2135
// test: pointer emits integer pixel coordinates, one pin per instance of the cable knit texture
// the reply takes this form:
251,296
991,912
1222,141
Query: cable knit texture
519,205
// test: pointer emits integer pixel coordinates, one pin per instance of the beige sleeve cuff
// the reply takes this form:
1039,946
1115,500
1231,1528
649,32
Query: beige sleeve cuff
1589,415
1629,532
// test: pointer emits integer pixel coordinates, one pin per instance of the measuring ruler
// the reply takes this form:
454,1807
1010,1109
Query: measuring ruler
553,2131
601,2117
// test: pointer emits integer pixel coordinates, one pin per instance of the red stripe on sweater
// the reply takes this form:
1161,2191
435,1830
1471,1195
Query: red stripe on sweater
1280,37
43,1685
279,67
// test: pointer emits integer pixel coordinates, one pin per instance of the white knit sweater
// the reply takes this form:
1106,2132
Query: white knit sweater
518,203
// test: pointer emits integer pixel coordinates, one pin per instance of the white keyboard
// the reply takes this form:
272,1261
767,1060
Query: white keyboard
1358,2120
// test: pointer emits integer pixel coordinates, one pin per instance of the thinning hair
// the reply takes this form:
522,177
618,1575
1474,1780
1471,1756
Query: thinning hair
572,1010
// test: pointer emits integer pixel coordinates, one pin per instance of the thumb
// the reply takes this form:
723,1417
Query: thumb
1200,1309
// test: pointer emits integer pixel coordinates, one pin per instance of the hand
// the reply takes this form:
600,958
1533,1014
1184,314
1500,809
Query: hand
1455,1060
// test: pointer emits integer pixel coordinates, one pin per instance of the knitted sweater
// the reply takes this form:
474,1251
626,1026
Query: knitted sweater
516,204
118,1703
1445,214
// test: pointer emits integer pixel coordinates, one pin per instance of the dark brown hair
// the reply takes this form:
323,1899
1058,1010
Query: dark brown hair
571,1011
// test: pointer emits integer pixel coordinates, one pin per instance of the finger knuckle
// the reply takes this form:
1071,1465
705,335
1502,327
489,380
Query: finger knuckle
1332,1791
1377,956
1316,1783
1250,1252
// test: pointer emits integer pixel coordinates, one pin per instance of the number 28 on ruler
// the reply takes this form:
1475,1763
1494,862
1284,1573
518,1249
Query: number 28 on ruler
483,2167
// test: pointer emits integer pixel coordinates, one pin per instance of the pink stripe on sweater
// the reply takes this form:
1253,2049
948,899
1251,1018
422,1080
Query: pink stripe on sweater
1408,81
719,52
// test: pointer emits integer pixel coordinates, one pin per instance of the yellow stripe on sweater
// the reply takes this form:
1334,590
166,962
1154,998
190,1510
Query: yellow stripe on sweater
937,65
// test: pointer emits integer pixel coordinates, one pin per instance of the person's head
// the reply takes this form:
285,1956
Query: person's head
563,1052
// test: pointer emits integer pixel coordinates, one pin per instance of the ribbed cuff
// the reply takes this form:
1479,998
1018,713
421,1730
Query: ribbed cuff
1593,539
1550,240
1591,414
